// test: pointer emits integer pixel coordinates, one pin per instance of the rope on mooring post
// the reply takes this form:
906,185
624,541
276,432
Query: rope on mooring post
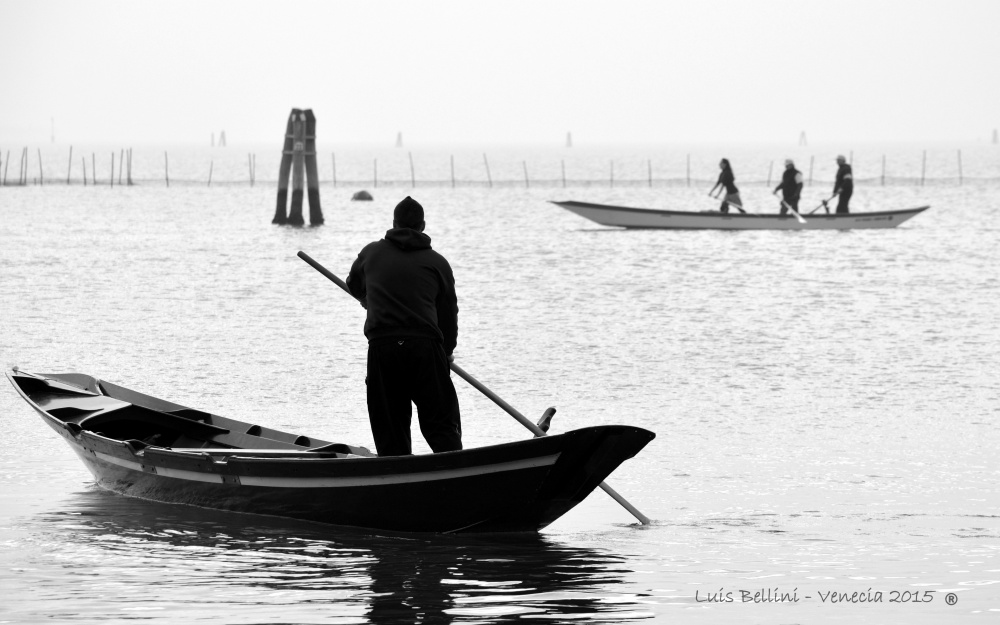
283,171
312,171
298,168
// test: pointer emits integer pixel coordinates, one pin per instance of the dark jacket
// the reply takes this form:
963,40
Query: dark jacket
791,184
845,179
407,288
728,180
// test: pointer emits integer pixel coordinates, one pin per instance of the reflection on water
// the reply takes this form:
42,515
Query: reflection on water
131,554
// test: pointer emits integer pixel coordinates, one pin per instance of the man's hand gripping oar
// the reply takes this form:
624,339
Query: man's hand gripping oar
537,429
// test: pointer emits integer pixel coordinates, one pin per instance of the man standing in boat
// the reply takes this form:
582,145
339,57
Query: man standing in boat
790,187
408,290
843,186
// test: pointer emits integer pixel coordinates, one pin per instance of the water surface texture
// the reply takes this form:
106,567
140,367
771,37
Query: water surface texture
826,404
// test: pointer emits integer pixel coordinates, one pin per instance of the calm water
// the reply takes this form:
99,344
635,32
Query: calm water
826,405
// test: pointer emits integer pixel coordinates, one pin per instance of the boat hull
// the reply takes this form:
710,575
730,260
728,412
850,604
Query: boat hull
514,487
646,218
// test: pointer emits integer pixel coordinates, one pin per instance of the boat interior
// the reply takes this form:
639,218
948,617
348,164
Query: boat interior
85,403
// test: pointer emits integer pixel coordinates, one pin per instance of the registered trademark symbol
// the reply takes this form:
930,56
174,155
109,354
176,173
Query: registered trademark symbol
951,598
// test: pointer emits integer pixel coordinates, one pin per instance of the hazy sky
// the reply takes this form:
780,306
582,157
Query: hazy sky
616,72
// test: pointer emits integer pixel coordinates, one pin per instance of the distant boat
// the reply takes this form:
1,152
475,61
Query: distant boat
149,448
628,217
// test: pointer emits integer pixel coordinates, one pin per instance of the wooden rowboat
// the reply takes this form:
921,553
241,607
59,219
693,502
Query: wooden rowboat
145,447
626,217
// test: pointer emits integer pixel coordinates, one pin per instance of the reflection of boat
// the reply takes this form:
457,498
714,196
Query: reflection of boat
626,217
146,447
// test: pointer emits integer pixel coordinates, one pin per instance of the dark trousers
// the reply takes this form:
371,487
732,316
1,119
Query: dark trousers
843,199
793,202
401,371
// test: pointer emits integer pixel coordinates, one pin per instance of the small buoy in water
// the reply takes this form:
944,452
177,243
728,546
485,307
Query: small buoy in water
362,196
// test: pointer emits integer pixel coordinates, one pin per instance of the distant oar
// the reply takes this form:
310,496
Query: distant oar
537,431
823,203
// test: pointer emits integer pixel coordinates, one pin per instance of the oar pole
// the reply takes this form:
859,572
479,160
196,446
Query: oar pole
482,388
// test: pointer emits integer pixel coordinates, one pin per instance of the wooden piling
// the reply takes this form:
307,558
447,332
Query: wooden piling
333,157
413,176
83,159
128,173
811,160
960,167
166,168
121,165
284,171
253,168
312,171
21,173
5,166
295,217
883,170
564,173
526,183
69,168
689,170
211,164
41,174
923,169
112,170
488,177
452,157
250,168
612,174
375,172
93,169
770,170
649,171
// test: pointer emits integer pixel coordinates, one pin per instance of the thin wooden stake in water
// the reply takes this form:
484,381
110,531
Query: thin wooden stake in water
121,165
211,164
333,158
375,173
960,167
923,169
883,170
84,160
488,177
112,170
537,431
689,170
612,174
452,157
811,159
69,168
93,169
649,171
525,164
41,175
770,170
166,168
413,175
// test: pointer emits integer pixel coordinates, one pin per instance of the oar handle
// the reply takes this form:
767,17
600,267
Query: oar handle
482,388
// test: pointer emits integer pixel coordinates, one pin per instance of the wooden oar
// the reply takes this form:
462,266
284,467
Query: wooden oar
738,207
794,212
823,203
537,431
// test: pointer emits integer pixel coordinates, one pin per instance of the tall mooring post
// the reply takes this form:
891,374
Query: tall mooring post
298,160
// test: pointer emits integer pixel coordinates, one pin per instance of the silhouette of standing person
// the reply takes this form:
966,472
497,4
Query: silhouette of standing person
843,186
408,290
790,187
727,183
